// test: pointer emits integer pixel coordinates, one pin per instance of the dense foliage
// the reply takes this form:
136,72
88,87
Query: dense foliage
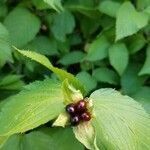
104,43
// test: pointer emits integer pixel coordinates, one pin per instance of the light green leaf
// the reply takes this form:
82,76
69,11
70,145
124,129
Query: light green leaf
63,24
71,95
55,4
120,122
118,57
62,120
85,133
143,97
106,75
111,10
146,67
5,49
37,104
98,49
72,58
88,81
129,21
22,26
59,72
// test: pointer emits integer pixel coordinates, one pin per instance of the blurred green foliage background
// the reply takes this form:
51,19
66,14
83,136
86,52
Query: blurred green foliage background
105,43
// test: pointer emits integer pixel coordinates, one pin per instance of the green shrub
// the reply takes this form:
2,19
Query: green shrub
99,49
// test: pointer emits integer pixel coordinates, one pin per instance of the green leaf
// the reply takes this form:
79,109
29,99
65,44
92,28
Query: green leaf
146,67
4,35
106,75
111,10
143,97
40,4
136,43
51,138
72,58
98,49
71,95
11,82
5,49
147,10
84,7
13,143
118,57
43,45
88,81
59,72
85,133
22,26
3,139
55,4
141,4
63,24
120,122
62,120
3,10
130,81
129,21
44,139
37,104
89,26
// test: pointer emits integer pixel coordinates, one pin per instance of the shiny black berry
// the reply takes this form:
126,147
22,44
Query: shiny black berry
81,106
70,109
85,116
75,120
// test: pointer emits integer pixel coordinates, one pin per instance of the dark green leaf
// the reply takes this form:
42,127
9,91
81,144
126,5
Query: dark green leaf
43,45
146,67
136,43
51,139
130,81
143,97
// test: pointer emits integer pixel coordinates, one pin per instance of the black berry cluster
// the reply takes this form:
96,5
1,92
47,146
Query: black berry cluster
78,112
